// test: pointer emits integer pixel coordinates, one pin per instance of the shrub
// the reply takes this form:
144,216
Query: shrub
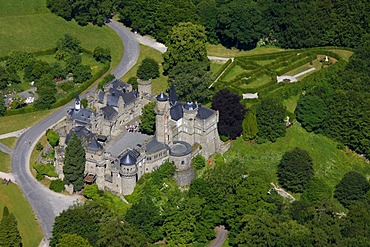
198,162
53,137
46,169
39,177
57,185
39,146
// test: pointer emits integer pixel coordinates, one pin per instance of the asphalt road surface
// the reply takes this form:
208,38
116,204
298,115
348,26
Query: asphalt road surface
221,234
45,203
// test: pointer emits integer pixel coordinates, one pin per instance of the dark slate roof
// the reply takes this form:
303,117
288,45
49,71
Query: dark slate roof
128,160
94,145
204,113
119,84
82,133
180,148
173,96
154,146
190,106
130,157
176,112
162,97
109,112
82,116
127,97
101,97
77,97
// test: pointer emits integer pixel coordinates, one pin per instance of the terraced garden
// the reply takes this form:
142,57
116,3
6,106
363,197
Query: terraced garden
258,73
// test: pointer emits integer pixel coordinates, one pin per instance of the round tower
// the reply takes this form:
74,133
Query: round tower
144,87
128,172
77,102
180,155
162,119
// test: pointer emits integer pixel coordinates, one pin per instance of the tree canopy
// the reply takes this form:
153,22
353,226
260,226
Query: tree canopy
231,113
351,188
148,69
270,120
191,81
9,233
147,124
295,170
74,163
186,43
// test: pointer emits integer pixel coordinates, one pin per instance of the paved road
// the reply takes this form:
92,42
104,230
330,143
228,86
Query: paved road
221,234
45,203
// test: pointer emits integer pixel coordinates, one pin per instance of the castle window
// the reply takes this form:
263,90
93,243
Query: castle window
182,162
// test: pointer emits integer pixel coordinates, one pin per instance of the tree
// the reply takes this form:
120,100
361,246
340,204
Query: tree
295,170
117,233
2,106
9,233
74,163
133,82
53,137
240,24
147,125
250,128
356,222
311,112
81,73
351,188
66,46
191,81
198,162
102,55
231,113
19,60
187,43
46,92
148,69
207,11
270,120
62,8
68,240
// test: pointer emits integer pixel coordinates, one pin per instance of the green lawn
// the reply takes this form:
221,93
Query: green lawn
330,163
10,142
234,72
17,122
27,25
291,103
215,66
5,162
12,197
158,84
261,80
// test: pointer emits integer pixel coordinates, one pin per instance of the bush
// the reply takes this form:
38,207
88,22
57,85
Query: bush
198,162
39,177
57,185
46,169
148,69
53,137
39,146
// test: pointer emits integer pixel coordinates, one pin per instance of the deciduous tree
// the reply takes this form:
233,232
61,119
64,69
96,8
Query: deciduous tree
351,188
187,43
295,170
68,240
147,125
148,69
231,113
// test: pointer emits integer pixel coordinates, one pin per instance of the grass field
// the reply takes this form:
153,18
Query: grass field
10,142
17,122
261,80
330,163
234,72
12,197
27,25
5,162
158,84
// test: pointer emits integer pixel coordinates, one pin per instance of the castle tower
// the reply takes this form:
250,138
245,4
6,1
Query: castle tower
77,102
162,119
128,173
144,87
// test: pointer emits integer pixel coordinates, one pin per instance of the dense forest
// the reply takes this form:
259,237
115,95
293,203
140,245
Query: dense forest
234,23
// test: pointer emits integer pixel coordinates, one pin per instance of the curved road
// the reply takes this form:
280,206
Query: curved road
45,203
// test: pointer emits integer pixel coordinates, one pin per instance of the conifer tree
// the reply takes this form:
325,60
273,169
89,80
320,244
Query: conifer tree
74,163
9,233
250,128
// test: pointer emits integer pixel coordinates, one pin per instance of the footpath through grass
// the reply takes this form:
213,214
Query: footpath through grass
27,25
12,197
330,163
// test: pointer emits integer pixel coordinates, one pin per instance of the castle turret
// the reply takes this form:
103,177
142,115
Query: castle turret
77,102
163,118
128,172
144,87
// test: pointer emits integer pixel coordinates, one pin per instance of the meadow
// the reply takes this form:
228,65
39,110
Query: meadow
27,25
12,197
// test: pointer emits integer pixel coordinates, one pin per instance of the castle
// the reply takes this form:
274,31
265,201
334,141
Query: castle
117,155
